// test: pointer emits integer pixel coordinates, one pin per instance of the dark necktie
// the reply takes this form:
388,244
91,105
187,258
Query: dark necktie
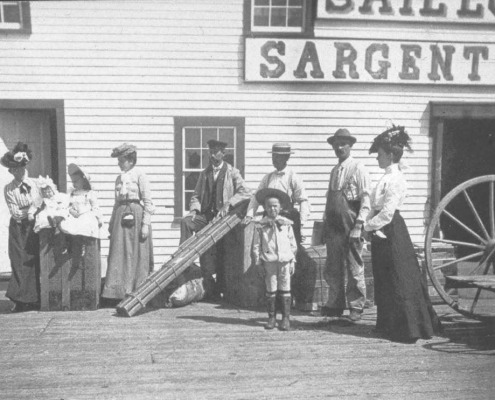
24,188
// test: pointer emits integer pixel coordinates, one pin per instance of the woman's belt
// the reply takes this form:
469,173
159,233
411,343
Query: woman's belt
124,202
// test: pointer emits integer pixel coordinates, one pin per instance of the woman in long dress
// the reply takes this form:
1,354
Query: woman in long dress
404,310
130,258
20,194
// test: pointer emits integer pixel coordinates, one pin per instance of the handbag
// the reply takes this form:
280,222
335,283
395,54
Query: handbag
128,220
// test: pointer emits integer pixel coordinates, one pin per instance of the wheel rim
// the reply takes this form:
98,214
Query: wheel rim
475,254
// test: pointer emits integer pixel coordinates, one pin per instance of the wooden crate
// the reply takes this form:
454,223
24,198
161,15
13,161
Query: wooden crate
69,280
309,286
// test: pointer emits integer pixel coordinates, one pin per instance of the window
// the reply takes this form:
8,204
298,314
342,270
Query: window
192,155
15,16
280,16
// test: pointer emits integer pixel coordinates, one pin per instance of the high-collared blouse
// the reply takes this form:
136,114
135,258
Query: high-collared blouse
351,177
289,182
274,241
134,185
20,202
387,197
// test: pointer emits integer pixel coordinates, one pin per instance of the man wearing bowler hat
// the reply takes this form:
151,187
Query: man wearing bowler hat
348,204
286,180
220,186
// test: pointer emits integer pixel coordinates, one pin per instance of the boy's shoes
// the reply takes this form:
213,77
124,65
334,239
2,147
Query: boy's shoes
286,304
271,322
354,315
285,325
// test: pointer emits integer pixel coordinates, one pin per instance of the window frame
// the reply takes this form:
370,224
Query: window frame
202,122
25,25
307,30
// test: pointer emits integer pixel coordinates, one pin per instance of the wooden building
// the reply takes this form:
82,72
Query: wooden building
78,78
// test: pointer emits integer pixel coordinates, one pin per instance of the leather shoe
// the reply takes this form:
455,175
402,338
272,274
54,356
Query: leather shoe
354,315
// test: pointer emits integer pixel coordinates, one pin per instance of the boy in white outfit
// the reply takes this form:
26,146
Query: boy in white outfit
274,250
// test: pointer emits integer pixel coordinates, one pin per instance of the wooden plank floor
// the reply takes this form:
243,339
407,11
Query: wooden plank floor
213,351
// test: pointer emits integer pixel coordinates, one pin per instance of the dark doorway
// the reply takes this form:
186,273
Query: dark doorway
468,151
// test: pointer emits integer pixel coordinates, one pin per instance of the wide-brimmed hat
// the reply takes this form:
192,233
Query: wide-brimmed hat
124,149
19,156
342,134
74,169
212,143
263,194
281,148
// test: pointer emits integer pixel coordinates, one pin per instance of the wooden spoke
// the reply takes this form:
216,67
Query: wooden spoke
490,208
478,291
466,244
464,226
478,237
469,257
476,215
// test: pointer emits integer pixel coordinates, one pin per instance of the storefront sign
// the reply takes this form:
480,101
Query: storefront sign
330,60
451,11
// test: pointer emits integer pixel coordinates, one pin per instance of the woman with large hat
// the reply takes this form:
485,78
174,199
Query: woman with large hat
20,195
404,310
130,258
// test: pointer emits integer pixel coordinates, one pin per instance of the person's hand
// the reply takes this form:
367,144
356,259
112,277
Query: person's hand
191,214
356,232
74,212
224,210
145,231
30,217
292,267
246,220
380,234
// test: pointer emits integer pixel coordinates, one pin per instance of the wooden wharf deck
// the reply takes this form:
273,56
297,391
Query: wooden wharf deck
213,351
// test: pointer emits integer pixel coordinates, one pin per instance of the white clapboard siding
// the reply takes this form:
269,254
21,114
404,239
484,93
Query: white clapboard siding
125,69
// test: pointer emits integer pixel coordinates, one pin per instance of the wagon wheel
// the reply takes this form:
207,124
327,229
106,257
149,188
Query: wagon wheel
466,282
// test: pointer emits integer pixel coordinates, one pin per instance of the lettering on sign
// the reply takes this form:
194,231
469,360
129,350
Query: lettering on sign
451,11
330,60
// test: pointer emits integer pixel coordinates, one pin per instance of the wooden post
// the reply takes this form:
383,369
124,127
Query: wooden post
70,276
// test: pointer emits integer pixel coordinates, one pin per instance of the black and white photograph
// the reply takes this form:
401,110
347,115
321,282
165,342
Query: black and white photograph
247,199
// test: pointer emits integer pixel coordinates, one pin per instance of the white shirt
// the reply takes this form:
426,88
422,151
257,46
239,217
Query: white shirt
387,197
216,171
288,182
351,177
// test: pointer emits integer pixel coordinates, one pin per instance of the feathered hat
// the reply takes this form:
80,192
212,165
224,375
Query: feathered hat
393,137
124,149
19,156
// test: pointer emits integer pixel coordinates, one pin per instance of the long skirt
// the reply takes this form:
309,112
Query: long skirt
404,310
130,259
24,285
